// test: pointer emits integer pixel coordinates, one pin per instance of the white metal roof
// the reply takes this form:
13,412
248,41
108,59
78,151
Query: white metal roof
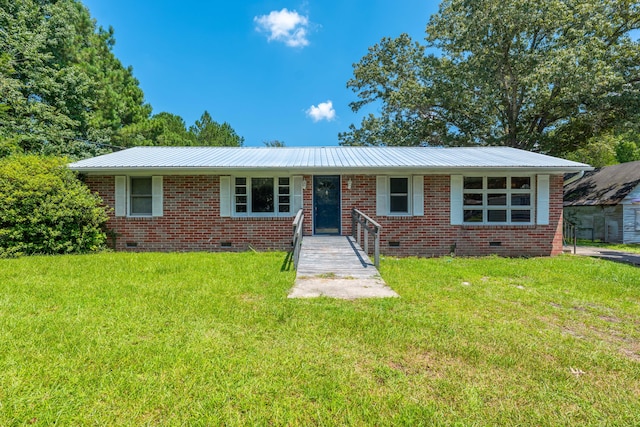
321,159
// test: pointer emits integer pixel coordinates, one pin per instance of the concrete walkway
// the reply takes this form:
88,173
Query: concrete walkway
336,267
608,254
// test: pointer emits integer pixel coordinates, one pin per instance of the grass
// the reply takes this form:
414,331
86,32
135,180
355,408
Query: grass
210,339
633,248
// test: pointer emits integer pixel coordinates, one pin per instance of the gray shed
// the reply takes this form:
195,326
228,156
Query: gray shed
605,204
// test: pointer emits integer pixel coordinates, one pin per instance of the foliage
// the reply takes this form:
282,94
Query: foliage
170,129
544,76
45,209
597,152
628,147
211,339
173,130
60,84
208,132
608,149
274,143
63,92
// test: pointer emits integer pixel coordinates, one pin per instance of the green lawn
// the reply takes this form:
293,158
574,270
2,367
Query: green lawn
633,248
210,339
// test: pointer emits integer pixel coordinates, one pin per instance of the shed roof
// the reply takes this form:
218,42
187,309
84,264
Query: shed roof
315,159
604,186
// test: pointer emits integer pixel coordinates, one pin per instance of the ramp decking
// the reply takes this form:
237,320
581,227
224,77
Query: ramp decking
337,267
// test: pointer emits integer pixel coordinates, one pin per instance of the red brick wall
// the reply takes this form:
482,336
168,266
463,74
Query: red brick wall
192,222
433,235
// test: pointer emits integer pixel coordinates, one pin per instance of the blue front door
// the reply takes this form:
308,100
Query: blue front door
326,204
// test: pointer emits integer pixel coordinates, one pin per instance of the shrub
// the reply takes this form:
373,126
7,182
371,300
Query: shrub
45,209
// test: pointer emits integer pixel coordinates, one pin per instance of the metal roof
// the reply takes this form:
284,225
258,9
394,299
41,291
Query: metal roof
605,186
314,159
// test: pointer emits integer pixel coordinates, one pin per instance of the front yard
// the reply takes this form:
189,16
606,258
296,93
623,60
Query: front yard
210,339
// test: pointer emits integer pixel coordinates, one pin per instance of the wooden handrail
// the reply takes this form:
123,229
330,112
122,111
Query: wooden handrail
359,220
296,242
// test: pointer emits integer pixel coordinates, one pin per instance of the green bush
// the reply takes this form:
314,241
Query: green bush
45,209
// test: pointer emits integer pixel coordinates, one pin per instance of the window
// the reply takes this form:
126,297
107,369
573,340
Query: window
637,228
261,196
497,200
141,196
138,196
399,195
284,195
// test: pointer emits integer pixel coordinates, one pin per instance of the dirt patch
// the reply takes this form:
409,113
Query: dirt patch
342,288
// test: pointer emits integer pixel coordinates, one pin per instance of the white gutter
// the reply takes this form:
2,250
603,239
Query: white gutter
574,178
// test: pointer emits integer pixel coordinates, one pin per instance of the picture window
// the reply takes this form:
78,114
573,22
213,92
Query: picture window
497,200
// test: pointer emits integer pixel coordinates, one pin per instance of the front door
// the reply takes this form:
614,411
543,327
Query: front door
326,204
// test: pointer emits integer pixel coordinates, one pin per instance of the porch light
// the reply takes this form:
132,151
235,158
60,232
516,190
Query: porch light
349,182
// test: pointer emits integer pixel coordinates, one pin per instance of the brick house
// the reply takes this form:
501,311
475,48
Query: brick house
429,201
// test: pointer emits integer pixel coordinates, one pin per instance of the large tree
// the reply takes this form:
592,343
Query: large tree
542,75
208,132
60,84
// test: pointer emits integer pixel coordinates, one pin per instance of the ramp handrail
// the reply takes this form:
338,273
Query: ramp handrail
296,242
360,220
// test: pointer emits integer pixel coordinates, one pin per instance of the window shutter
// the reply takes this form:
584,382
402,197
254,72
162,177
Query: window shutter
225,196
543,200
418,195
382,195
156,196
121,196
296,202
457,214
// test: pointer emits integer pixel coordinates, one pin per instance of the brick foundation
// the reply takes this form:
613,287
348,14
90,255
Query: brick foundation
192,222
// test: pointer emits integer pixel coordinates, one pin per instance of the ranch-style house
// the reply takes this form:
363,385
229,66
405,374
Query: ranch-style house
428,201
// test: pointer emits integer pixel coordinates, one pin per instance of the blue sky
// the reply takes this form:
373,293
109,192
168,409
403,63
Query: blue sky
274,70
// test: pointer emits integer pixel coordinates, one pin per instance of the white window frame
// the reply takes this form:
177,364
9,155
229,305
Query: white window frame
123,196
415,195
485,207
409,197
130,196
276,197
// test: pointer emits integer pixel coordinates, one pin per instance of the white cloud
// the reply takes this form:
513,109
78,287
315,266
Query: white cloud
324,111
288,27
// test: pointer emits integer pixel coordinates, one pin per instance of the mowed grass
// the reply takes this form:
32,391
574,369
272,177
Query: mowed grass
211,339
631,247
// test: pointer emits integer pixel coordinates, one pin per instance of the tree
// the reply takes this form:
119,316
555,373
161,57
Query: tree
274,143
60,84
174,130
207,132
544,76
161,129
628,147
45,209
597,152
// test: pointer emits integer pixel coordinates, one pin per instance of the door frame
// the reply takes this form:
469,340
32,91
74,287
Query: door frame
313,207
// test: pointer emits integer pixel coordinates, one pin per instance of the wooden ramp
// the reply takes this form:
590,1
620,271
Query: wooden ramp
337,267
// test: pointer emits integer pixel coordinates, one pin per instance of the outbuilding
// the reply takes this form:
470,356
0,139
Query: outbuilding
428,201
604,204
